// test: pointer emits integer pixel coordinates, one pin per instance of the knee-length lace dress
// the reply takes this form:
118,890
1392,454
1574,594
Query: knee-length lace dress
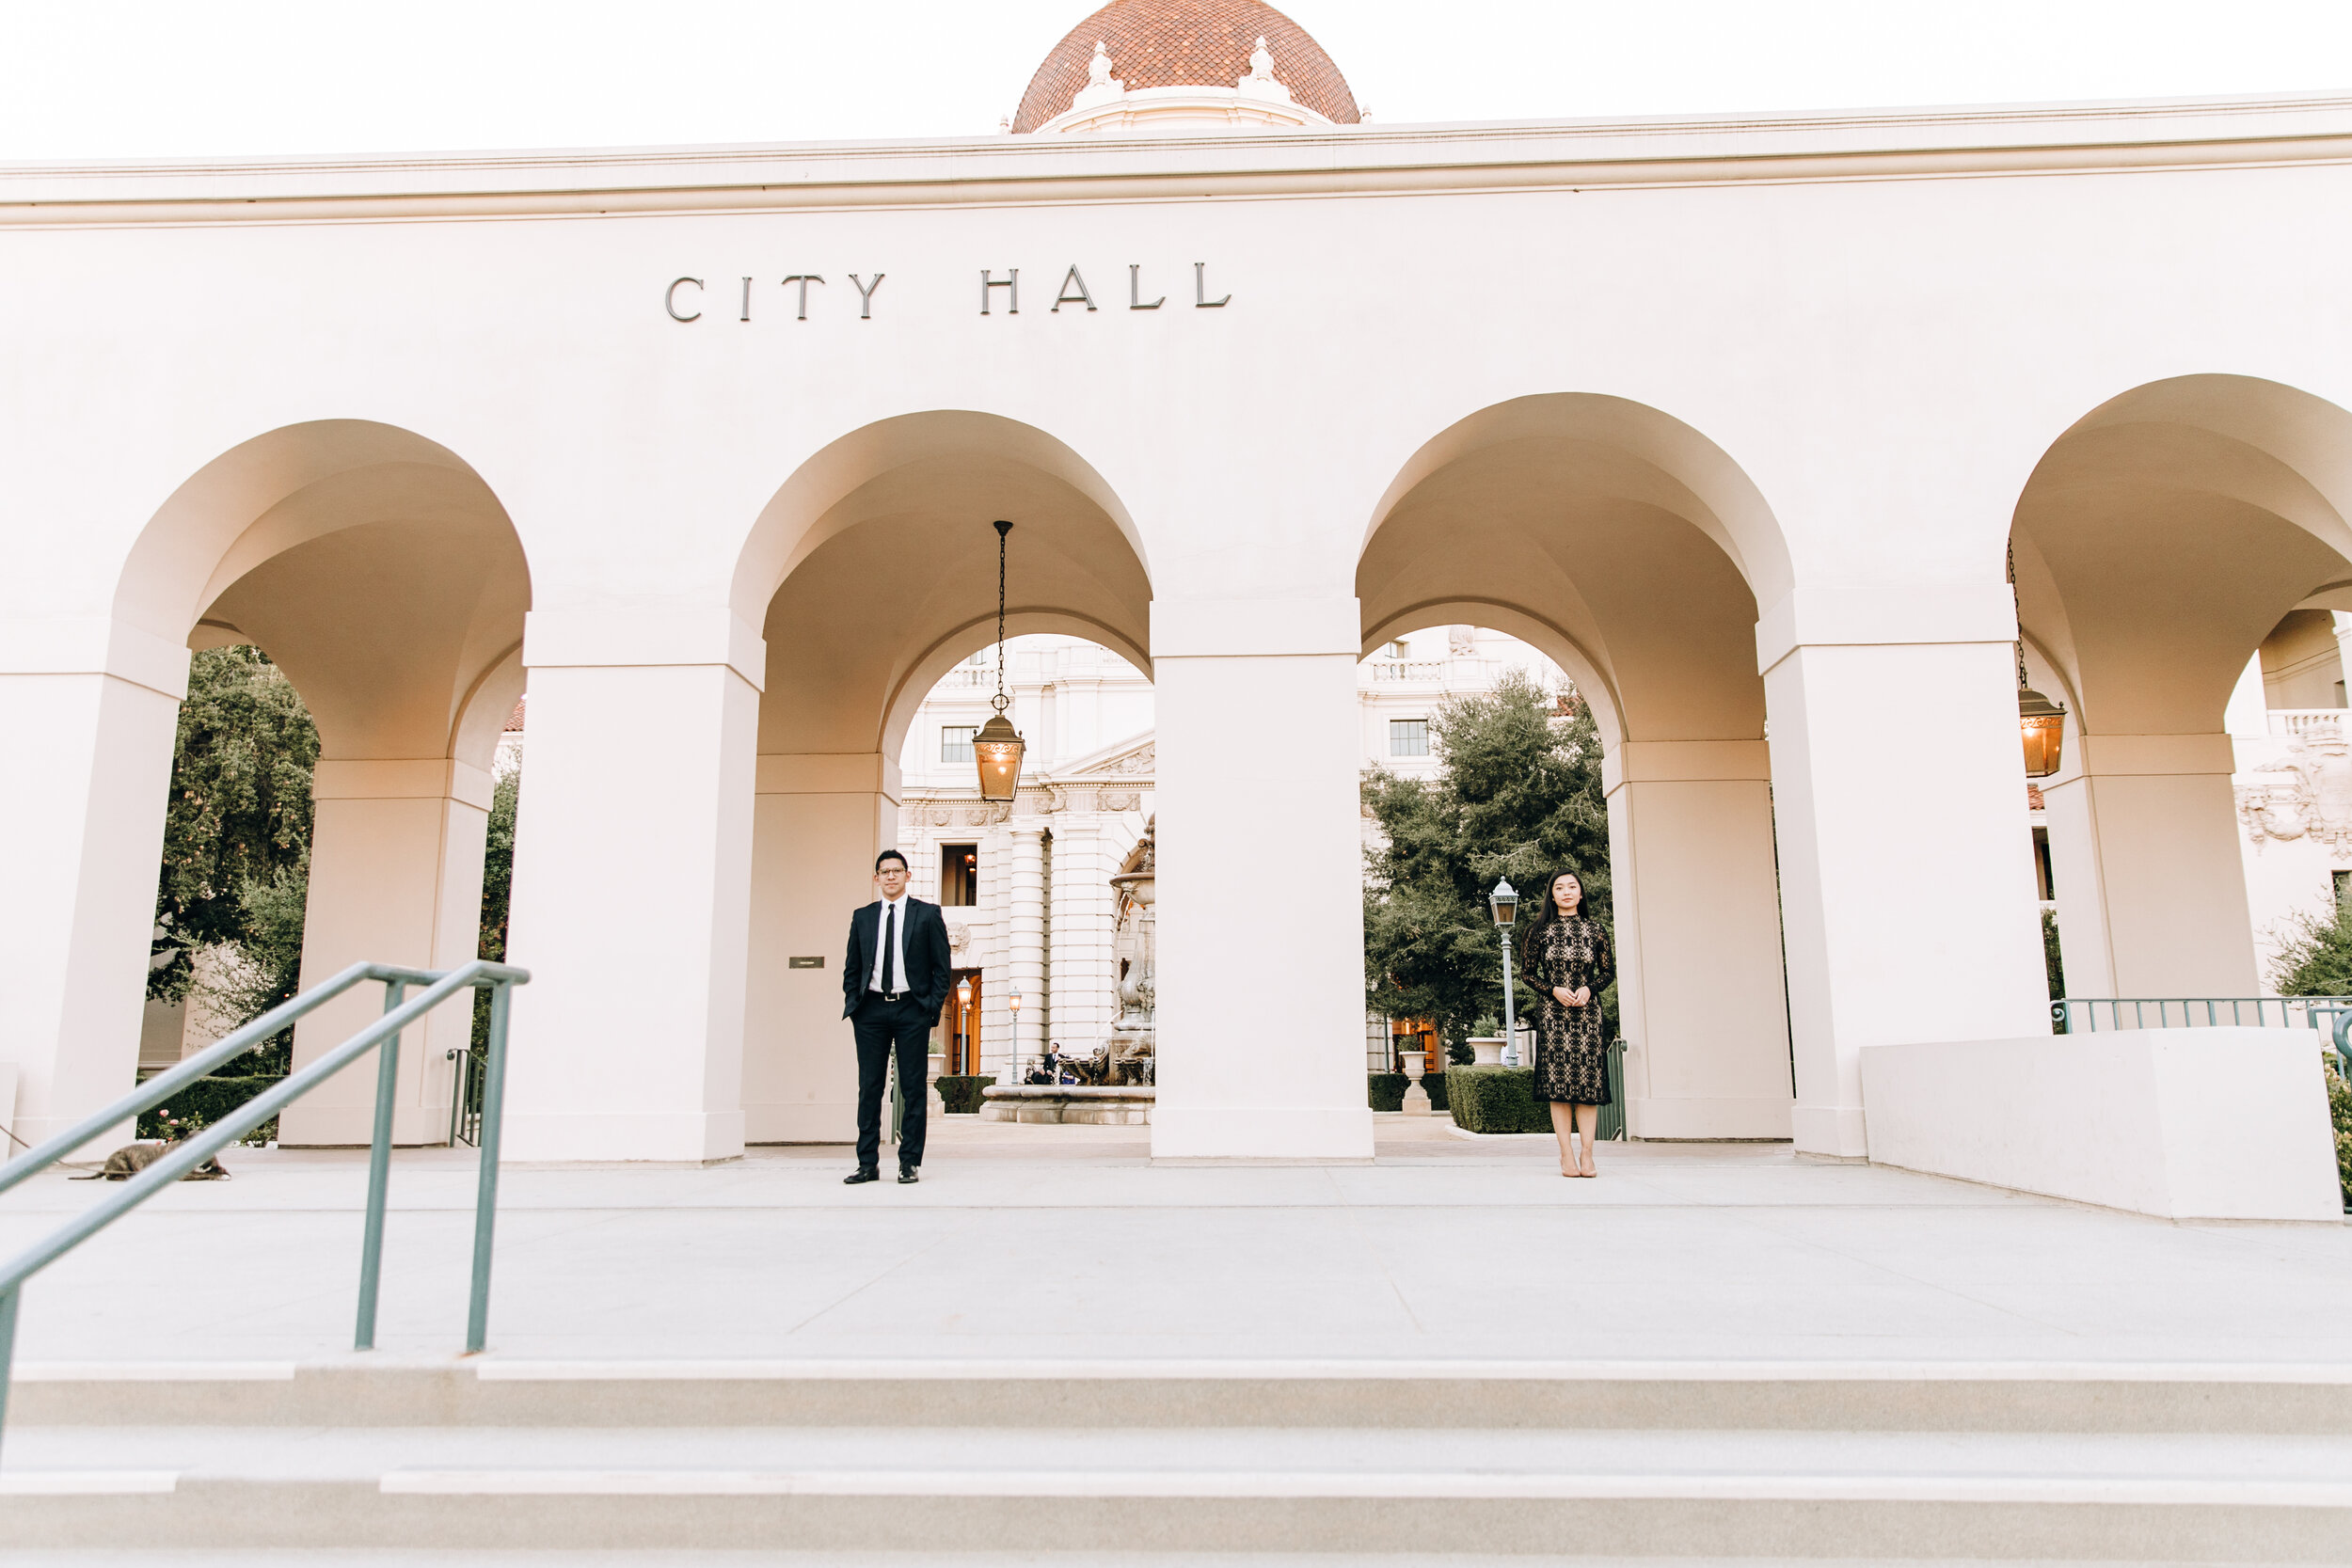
1571,1054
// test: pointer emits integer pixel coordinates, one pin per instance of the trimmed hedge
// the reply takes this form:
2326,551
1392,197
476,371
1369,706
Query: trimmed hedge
960,1092
1495,1099
1432,1083
204,1103
1387,1090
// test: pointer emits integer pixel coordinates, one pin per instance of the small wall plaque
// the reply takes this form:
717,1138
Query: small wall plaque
804,963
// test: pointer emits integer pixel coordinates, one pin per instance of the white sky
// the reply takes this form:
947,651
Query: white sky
183,78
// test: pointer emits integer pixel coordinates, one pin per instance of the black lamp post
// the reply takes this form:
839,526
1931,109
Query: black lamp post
963,1013
1505,901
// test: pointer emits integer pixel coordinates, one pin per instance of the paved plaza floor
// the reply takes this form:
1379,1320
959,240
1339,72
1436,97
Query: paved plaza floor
1068,1242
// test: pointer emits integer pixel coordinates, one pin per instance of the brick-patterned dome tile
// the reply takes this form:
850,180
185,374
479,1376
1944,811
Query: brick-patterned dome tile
1187,43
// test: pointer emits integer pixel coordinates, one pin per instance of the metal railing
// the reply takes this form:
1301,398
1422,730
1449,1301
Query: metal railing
2083,1014
2331,1016
467,1073
178,1160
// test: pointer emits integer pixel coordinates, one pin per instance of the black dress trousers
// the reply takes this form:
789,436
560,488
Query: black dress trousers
879,1026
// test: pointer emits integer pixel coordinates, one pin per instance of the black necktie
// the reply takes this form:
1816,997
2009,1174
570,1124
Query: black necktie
890,942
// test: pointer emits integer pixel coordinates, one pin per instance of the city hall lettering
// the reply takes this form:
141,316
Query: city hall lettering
686,297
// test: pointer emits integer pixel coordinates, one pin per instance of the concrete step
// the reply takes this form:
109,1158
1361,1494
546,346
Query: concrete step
357,1391
2211,1464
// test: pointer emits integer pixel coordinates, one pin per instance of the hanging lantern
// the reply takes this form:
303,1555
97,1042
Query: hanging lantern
997,748
2042,725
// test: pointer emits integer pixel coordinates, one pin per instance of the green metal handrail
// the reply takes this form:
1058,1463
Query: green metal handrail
2329,1015
2073,1015
399,1011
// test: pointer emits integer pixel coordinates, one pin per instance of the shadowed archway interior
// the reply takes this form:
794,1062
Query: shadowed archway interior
1623,545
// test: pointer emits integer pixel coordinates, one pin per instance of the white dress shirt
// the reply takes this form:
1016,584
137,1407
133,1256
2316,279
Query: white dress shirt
898,954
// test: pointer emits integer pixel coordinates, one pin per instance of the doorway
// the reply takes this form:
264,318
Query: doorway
959,1024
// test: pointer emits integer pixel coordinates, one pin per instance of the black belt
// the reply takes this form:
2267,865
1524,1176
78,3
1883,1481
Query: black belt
889,995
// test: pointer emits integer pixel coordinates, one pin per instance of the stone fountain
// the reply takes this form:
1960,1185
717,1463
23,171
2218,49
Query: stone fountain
1119,1078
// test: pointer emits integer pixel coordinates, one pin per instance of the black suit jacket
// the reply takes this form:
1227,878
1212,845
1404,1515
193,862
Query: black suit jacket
930,968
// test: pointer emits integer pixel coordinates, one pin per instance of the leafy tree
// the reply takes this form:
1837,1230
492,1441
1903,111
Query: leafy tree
1518,795
498,888
2053,963
2314,956
237,828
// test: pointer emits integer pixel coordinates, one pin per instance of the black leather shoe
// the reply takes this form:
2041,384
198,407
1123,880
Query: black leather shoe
864,1172
909,1175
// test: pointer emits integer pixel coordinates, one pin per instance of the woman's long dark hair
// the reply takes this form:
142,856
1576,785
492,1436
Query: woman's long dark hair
1548,913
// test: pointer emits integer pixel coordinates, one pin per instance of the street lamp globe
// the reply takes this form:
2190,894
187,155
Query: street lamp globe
1505,900
964,991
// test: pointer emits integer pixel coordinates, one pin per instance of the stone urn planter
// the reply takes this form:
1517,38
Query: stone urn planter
1416,1098
1485,1050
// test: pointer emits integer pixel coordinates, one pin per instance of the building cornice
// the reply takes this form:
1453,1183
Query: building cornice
1001,170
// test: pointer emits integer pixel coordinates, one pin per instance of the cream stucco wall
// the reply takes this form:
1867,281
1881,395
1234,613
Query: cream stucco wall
1731,419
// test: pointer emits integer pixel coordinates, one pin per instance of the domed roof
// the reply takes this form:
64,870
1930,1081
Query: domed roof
1180,43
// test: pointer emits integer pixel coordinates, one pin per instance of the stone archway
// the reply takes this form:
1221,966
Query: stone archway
382,575
2158,543
881,574
1633,552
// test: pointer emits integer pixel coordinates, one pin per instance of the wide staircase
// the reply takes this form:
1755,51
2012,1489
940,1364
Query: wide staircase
1111,1462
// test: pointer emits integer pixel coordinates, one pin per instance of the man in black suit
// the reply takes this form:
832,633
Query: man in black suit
892,984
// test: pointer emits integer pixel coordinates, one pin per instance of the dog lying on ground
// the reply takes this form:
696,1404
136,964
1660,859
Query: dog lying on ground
131,1159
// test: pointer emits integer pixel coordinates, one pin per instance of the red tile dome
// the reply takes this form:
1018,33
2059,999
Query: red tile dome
1187,43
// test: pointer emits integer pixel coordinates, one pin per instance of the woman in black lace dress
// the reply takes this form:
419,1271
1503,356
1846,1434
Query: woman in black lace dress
1569,964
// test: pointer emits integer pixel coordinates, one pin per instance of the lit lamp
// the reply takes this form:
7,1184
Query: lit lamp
2042,725
997,748
1505,901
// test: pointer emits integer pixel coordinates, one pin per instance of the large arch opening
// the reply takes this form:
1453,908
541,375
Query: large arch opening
873,575
380,574
1631,552
2172,548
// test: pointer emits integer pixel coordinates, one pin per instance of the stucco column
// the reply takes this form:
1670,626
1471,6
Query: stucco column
395,878
1701,993
1260,1014
1026,959
994,952
1905,854
90,720
818,821
2150,875
632,887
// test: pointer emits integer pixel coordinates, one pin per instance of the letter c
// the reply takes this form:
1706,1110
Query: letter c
669,300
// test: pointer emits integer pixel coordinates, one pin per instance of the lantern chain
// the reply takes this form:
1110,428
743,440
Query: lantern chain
1003,528
2019,645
